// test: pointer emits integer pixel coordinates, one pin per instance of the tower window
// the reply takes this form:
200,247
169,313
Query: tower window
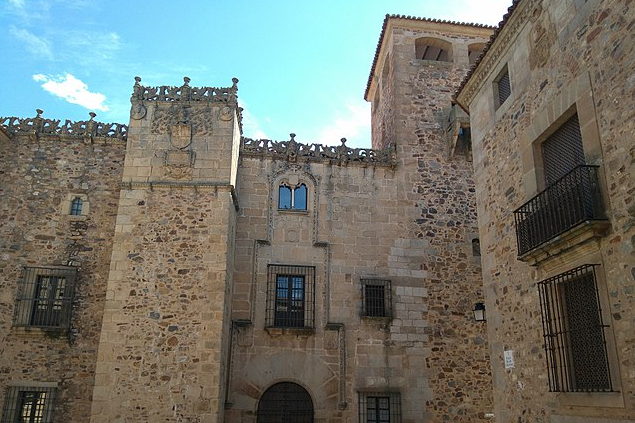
76,206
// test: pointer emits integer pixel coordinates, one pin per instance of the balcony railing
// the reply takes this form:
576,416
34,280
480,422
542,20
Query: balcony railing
571,200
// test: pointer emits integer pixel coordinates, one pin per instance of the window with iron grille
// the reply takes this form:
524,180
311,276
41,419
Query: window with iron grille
28,405
376,298
285,402
45,296
379,407
76,206
291,296
503,87
574,332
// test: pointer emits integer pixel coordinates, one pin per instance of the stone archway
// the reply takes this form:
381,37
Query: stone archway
285,402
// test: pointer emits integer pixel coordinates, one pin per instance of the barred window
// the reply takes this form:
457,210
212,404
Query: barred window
376,298
76,206
574,333
291,296
45,296
379,407
28,405
502,87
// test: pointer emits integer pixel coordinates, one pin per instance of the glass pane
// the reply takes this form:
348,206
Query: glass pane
300,198
284,197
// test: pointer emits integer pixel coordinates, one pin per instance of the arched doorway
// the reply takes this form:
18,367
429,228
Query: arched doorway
285,402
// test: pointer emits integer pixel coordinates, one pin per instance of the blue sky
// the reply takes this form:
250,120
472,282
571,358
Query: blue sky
302,65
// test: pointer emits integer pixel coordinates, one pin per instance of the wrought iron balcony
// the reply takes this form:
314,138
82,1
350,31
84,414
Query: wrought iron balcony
573,199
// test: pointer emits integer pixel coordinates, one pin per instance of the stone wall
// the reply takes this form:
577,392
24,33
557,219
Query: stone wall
411,222
563,57
40,175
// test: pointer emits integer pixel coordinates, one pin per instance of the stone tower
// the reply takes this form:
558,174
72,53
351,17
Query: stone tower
165,329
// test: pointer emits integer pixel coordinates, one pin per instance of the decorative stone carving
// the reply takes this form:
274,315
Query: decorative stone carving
294,151
181,135
186,93
87,129
200,119
541,38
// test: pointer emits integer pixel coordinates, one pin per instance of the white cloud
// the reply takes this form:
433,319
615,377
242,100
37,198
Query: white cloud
353,124
72,90
36,45
17,3
251,126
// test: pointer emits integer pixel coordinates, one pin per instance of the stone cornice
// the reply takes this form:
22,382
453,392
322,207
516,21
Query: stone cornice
215,185
510,27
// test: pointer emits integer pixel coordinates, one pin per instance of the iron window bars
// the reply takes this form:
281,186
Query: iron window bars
291,296
28,404
376,298
76,207
285,402
569,201
504,87
379,407
45,296
574,332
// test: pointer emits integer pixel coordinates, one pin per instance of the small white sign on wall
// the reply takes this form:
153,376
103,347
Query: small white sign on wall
509,359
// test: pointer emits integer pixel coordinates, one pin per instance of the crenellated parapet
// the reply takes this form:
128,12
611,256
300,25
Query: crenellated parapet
184,97
294,151
87,129
185,93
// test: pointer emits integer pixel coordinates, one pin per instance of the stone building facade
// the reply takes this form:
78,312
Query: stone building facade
174,270
551,107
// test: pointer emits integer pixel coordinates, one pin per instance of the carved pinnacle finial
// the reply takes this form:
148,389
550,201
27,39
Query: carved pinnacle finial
235,80
186,80
343,140
92,115
39,112
292,136
137,80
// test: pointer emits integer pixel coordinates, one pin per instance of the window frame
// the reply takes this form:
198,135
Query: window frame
369,305
14,402
503,75
394,406
51,311
293,192
280,311
562,362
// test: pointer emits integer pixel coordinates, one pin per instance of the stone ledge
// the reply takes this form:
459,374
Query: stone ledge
276,331
562,245
38,332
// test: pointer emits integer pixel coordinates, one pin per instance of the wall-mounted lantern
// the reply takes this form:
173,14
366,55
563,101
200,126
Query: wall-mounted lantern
479,312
